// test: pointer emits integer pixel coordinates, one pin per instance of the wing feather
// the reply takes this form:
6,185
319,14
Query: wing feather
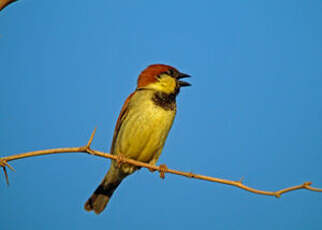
120,120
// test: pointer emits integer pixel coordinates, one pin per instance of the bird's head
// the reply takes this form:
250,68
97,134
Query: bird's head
162,78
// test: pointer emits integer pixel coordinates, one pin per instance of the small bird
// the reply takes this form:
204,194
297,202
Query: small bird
142,127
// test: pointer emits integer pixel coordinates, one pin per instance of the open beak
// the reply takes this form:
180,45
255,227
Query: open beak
183,83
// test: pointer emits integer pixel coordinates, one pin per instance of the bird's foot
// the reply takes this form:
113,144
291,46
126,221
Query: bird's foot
162,170
120,160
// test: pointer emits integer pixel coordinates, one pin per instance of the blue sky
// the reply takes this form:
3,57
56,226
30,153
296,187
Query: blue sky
254,110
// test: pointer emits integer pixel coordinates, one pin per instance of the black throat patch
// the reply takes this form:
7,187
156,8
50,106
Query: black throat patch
165,101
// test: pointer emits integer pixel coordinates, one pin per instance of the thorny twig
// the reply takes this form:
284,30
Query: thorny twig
162,169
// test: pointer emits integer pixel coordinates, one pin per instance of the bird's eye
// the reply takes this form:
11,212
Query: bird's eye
170,72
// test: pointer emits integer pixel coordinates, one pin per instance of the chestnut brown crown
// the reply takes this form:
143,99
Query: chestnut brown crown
162,78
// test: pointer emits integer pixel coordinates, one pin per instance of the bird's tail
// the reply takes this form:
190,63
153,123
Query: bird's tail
99,199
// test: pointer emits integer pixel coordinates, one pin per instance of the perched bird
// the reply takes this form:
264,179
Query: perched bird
142,127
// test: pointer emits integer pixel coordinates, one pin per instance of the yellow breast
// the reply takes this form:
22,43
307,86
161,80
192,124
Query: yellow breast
145,128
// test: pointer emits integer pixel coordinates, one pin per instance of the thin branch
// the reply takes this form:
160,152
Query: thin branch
162,169
4,3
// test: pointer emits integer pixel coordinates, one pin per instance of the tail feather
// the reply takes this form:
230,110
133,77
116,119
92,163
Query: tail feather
101,196
99,199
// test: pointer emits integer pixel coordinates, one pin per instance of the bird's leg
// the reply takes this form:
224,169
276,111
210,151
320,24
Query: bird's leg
162,170
120,160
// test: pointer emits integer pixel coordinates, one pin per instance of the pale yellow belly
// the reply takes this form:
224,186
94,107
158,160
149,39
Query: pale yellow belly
143,132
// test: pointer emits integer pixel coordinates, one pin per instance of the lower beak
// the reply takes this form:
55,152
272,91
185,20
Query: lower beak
183,83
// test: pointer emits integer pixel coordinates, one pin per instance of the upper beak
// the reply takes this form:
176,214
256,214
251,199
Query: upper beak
183,83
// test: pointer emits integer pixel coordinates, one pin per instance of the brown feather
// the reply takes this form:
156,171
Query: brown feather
148,75
120,119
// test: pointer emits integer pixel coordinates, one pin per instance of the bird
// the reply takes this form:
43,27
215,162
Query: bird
141,128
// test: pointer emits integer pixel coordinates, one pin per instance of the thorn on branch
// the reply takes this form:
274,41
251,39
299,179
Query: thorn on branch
9,166
5,164
162,170
6,175
91,139
240,181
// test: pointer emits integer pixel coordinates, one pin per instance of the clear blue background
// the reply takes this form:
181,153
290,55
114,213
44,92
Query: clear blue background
254,111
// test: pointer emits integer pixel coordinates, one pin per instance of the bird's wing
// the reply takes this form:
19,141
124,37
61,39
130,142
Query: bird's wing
120,119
